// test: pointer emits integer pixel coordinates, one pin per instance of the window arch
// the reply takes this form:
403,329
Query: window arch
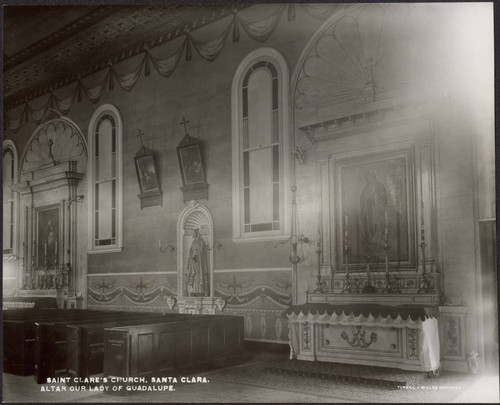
9,174
260,147
105,180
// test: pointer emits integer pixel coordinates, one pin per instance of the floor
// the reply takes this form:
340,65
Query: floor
18,389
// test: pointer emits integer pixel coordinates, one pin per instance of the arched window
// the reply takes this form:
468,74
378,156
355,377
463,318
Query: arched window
105,180
9,173
261,148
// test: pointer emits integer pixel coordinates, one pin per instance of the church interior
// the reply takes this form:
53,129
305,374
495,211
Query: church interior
283,202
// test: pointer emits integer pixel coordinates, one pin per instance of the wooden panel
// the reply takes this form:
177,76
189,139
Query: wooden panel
182,344
89,340
166,351
145,362
201,344
193,342
116,361
217,341
231,339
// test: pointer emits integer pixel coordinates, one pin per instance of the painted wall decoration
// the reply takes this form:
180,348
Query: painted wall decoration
148,291
260,297
375,199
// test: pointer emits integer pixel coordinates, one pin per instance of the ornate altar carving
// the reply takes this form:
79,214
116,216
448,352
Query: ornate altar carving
53,164
404,337
452,334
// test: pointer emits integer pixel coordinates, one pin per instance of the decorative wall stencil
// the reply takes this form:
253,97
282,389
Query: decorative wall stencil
412,339
278,327
171,302
157,290
263,326
257,295
235,294
248,325
358,338
220,303
34,80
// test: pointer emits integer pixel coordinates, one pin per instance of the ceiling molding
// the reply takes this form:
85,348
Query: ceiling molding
42,67
94,16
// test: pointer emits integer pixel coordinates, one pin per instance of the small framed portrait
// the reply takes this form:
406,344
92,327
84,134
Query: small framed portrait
191,163
146,172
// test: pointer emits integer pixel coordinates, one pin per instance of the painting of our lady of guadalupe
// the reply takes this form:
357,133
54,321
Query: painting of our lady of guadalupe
374,203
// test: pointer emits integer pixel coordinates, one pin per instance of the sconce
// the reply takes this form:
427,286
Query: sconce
216,245
168,248
78,198
295,240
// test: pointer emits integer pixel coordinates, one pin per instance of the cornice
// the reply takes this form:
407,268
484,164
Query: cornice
94,16
159,34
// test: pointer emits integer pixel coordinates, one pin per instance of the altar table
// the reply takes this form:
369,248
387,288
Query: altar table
402,336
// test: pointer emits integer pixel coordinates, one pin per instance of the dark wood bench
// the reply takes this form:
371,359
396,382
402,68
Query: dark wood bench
19,337
33,313
187,345
85,347
52,337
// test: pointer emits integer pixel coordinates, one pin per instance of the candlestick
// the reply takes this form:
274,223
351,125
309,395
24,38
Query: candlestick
347,283
425,282
386,230
422,238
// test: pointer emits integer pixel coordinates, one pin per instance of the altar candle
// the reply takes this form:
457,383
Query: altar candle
159,243
422,222
386,222
55,252
45,248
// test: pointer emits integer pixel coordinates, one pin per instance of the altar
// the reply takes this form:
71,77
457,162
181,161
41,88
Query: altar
400,336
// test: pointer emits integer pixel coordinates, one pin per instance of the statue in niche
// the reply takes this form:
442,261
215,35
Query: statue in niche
197,267
373,201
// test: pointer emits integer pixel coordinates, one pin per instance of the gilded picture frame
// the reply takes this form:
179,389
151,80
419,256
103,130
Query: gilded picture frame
376,196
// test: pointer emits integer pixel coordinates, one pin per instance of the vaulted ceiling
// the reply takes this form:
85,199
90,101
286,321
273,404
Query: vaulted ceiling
46,47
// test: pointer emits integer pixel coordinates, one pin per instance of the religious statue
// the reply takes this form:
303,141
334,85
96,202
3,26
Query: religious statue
198,268
373,203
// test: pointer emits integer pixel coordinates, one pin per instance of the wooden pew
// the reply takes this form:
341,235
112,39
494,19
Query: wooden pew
85,343
51,339
32,313
186,345
20,336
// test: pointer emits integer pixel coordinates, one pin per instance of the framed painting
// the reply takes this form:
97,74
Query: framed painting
146,172
48,242
376,198
191,164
